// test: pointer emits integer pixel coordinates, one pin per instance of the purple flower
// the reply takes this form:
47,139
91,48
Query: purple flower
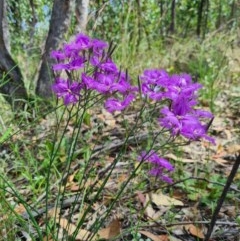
154,82
113,104
122,84
104,82
83,41
72,50
60,66
88,81
182,93
70,92
95,60
155,76
154,92
189,124
181,80
174,91
160,165
170,121
102,75
122,87
128,99
76,63
108,66
193,129
72,65
98,46
203,114
58,55
182,105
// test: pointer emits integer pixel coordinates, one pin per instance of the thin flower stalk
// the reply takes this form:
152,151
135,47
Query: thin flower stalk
93,78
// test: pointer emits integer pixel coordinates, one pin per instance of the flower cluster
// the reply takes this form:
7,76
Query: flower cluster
180,117
160,165
89,66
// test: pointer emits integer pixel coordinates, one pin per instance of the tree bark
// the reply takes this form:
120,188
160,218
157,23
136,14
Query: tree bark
59,24
173,13
81,11
206,11
200,16
11,80
233,17
161,18
219,17
32,23
139,23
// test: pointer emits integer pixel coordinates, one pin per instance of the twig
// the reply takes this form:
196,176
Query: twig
113,145
205,180
222,197
202,222
189,178
97,151
39,212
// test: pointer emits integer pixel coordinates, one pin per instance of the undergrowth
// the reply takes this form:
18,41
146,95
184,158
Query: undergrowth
27,160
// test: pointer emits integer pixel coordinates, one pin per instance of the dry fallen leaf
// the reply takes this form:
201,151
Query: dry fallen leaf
150,212
233,149
195,231
229,210
175,158
228,134
221,161
171,156
108,118
54,212
82,234
141,198
20,209
163,200
111,231
74,186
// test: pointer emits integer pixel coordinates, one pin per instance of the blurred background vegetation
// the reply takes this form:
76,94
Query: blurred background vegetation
200,37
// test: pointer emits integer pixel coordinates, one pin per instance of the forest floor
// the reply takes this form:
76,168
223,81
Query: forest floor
147,209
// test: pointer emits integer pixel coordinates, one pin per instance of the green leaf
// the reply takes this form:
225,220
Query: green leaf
87,119
6,135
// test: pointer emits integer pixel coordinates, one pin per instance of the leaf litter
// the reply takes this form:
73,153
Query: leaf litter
161,212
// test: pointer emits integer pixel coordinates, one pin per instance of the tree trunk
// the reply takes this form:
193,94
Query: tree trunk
11,80
81,10
32,23
233,18
219,17
139,25
59,24
206,12
172,24
161,18
200,15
